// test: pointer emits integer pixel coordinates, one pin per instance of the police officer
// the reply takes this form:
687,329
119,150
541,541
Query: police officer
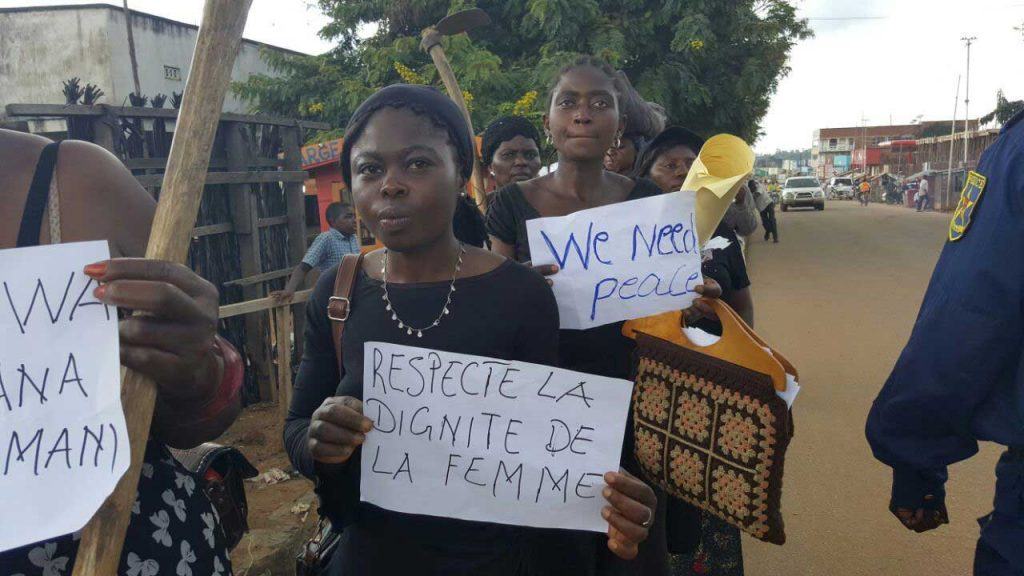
960,379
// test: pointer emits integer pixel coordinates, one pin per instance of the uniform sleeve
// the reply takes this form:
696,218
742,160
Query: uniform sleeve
317,377
315,255
501,216
966,340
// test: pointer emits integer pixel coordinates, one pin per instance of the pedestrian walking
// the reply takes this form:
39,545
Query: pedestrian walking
864,191
327,249
923,200
765,205
960,379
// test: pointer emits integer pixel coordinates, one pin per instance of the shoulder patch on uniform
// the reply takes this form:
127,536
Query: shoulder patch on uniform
969,198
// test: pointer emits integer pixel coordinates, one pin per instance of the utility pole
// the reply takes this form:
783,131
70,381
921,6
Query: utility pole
952,141
967,98
864,143
131,48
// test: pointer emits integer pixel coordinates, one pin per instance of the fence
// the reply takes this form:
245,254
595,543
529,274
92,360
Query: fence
251,229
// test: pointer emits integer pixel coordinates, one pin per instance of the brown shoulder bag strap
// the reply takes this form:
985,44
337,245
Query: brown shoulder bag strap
340,304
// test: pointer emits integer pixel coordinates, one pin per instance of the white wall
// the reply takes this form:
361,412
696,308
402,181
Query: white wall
158,44
40,49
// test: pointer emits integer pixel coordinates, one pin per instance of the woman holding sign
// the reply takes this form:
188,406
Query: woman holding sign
583,121
667,161
407,156
75,191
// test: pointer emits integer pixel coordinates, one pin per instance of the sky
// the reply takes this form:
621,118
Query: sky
900,65
871,61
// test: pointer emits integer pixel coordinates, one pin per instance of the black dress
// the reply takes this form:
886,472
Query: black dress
508,313
603,350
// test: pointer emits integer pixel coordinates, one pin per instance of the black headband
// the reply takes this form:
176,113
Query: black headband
421,100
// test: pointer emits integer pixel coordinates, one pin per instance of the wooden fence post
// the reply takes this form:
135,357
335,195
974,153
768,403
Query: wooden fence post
283,338
244,218
296,203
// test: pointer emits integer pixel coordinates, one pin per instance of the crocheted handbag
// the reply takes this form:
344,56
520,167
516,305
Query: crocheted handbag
710,429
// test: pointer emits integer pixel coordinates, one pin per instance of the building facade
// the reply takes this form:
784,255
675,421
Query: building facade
869,150
41,47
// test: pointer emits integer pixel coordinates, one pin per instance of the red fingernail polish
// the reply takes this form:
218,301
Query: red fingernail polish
96,270
100,292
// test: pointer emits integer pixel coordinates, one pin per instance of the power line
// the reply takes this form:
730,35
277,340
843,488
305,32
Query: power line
841,18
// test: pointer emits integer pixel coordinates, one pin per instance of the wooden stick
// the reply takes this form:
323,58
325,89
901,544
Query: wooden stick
261,304
220,35
455,93
283,338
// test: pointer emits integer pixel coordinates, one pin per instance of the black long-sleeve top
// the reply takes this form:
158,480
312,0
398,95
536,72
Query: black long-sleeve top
508,313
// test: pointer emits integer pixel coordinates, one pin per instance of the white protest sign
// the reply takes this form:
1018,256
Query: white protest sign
621,261
63,442
489,440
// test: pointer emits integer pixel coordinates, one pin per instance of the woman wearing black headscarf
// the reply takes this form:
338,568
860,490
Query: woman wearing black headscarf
667,161
407,156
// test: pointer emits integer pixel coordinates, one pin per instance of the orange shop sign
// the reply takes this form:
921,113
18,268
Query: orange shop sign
320,154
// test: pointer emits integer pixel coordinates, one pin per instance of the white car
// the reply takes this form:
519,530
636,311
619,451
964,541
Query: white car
802,191
841,187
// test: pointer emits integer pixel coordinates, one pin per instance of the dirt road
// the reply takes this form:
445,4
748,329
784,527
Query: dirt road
839,296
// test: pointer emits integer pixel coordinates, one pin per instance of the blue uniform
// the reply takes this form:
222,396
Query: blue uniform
960,379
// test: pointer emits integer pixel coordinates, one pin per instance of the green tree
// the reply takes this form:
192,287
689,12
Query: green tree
1005,109
713,64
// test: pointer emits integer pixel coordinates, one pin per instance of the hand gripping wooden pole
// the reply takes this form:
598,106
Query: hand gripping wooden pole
220,35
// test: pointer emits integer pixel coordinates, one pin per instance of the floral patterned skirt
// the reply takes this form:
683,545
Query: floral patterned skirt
719,553
174,530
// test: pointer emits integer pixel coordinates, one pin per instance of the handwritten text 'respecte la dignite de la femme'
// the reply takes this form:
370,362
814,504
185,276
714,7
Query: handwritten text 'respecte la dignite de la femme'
487,439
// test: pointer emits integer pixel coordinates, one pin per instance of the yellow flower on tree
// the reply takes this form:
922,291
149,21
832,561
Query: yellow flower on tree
696,45
409,76
524,105
468,97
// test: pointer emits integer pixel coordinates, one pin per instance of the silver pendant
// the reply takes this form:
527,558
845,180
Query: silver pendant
409,331
419,333
400,325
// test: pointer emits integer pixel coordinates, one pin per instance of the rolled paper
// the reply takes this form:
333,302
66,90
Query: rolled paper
723,165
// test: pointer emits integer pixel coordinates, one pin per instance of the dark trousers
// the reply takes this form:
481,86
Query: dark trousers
999,551
771,226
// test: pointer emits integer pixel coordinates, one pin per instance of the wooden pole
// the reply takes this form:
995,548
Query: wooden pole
432,42
131,49
283,338
220,35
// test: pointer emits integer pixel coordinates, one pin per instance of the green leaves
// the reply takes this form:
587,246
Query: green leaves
713,64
